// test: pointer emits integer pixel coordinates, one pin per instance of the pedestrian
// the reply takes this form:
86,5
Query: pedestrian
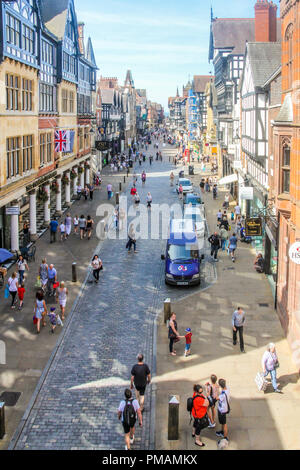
53,319
188,342
199,413
13,288
144,177
43,274
226,201
232,246
207,186
270,365
53,230
61,297
89,226
116,218
259,263
52,278
131,239
140,378
76,224
22,265
149,200
224,238
173,334
219,216
21,293
79,191
91,190
202,185
82,227
172,179
109,191
212,392
133,192
224,222
68,224
40,310
137,199
223,409
97,267
215,191
26,234
62,229
127,412
238,322
86,193
180,191
214,241
237,211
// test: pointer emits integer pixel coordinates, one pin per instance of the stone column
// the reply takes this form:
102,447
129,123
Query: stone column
32,215
58,196
14,230
87,175
68,189
75,183
82,179
47,214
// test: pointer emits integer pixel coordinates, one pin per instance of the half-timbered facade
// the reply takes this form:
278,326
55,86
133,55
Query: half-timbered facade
254,118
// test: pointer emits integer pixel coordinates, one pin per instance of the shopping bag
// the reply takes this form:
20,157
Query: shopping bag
261,382
6,292
35,320
38,283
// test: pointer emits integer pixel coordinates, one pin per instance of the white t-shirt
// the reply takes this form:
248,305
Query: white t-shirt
13,284
62,228
237,210
223,401
96,263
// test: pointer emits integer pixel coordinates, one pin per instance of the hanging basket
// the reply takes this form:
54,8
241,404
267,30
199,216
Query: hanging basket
80,170
73,175
65,180
55,188
42,196
87,166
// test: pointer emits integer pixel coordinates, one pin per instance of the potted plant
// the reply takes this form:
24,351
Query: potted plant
55,187
73,174
65,180
80,170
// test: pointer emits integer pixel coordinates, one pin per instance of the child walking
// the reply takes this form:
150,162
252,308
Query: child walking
21,293
188,342
54,319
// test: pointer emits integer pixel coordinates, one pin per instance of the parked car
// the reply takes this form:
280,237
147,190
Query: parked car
186,185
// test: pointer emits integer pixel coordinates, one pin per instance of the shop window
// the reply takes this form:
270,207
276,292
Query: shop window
285,169
12,157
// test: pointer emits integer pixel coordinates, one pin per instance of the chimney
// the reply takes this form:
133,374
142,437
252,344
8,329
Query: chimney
81,38
265,21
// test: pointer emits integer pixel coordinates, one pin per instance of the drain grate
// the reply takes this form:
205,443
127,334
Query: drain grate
10,398
263,305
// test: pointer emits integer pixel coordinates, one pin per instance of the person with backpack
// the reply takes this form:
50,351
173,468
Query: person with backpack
127,412
223,409
215,244
197,406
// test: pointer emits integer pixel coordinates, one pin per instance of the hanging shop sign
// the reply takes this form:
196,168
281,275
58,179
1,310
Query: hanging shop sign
294,253
254,227
247,193
102,145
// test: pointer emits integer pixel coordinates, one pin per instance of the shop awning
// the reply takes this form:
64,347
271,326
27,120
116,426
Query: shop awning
228,179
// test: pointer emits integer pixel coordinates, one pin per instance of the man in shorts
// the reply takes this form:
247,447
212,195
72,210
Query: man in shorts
223,409
126,407
140,377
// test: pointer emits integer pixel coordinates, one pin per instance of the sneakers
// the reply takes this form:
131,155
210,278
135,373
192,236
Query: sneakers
212,425
219,434
278,391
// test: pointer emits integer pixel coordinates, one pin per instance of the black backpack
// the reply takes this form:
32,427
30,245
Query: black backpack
129,414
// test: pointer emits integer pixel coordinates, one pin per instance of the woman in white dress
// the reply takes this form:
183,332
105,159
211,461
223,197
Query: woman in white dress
61,296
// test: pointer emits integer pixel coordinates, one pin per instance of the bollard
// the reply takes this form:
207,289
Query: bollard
120,187
125,179
117,198
74,272
173,421
167,310
2,420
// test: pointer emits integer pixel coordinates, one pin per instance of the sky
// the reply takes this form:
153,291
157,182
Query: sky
163,42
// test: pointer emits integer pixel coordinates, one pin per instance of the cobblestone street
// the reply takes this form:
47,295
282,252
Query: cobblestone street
77,400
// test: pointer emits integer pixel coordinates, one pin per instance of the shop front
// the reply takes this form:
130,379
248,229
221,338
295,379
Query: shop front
271,253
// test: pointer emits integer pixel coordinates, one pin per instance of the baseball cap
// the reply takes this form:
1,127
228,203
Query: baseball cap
188,330
52,309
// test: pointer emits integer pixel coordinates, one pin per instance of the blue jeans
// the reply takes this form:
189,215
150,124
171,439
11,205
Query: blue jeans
223,244
273,377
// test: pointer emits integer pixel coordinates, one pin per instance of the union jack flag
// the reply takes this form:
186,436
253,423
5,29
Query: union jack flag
60,141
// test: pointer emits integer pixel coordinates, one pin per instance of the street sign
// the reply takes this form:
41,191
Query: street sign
294,253
13,210
253,227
